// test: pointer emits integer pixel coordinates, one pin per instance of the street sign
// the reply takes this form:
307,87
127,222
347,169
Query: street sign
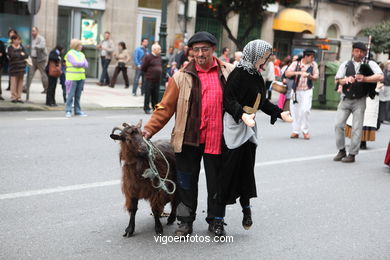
34,6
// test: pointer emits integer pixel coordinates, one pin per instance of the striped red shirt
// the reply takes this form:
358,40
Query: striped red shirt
211,113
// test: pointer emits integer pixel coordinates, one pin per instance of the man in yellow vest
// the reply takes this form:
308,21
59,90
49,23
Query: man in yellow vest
76,63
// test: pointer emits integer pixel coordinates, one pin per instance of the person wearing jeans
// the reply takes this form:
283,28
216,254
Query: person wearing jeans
106,50
76,63
139,54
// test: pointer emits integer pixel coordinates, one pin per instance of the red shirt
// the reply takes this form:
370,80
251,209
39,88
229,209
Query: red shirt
211,113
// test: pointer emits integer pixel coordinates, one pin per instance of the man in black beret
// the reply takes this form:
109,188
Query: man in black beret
353,100
194,95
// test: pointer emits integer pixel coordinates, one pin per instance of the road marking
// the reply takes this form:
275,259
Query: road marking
46,118
58,189
31,193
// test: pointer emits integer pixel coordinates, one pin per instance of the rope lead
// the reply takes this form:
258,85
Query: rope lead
152,172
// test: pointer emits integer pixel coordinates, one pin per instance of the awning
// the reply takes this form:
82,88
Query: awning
294,20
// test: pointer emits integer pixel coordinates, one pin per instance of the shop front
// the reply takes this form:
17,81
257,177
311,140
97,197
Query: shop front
82,19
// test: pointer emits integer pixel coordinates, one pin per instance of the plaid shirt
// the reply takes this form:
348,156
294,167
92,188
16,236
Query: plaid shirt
211,112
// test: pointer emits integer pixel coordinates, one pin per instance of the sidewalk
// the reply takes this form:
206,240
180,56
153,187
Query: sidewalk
93,98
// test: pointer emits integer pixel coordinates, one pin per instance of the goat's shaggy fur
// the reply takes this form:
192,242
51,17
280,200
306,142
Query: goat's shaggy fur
133,155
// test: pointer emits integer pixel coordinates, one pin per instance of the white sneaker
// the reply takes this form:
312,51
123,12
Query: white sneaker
82,114
68,114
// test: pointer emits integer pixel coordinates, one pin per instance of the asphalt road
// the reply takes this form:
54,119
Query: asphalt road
60,195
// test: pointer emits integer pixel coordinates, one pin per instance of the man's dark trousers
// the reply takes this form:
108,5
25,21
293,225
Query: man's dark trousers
188,168
104,78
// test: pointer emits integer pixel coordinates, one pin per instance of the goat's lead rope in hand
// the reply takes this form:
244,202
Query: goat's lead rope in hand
152,172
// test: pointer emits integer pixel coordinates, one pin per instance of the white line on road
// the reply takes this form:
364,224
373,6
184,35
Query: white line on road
46,118
116,182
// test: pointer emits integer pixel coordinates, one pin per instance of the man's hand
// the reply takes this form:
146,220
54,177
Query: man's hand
359,78
349,80
146,134
286,116
248,119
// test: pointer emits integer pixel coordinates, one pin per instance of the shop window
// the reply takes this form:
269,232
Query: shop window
332,32
154,4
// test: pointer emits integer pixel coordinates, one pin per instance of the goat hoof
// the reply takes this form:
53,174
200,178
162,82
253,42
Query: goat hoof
159,231
128,232
171,220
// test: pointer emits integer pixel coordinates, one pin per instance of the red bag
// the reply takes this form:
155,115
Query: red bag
387,158
54,69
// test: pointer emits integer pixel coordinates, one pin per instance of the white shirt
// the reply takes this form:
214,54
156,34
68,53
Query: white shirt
342,69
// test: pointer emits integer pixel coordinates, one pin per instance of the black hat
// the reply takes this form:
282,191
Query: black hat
308,52
202,37
359,45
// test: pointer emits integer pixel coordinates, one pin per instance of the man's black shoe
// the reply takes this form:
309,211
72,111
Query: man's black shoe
247,218
185,228
363,145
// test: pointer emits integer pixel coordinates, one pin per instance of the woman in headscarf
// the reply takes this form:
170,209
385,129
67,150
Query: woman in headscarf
245,93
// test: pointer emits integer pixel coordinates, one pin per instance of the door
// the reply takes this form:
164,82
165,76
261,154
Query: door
148,25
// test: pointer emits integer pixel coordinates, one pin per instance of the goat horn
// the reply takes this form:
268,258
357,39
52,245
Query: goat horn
116,128
125,125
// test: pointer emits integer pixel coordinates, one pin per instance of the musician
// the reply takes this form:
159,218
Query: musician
355,89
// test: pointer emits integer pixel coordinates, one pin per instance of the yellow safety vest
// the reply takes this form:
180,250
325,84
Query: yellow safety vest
71,72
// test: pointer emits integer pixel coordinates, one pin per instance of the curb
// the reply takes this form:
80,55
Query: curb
6,106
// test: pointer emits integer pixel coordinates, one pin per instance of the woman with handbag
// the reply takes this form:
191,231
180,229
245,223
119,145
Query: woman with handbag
17,56
122,56
53,70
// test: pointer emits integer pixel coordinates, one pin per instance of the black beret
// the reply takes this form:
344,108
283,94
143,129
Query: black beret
202,37
308,52
359,45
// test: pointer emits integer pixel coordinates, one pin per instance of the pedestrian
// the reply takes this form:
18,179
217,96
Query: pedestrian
171,55
384,95
180,56
353,100
139,53
122,56
304,72
194,95
172,69
268,75
152,69
237,57
76,63
17,56
38,57
11,32
63,80
244,95
3,60
54,71
370,122
106,48
284,99
225,55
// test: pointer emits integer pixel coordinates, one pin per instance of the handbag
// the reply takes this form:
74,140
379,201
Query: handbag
28,61
54,69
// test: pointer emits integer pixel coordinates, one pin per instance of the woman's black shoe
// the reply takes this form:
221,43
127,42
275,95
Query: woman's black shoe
247,218
217,228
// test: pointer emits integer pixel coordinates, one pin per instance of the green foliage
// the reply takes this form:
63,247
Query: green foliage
380,37
252,9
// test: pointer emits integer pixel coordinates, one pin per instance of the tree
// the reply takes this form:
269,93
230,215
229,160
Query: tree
253,10
380,37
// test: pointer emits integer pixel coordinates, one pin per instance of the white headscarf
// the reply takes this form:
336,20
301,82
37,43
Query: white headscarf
253,52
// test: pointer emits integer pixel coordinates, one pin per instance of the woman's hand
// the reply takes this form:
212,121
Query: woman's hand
286,116
248,119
